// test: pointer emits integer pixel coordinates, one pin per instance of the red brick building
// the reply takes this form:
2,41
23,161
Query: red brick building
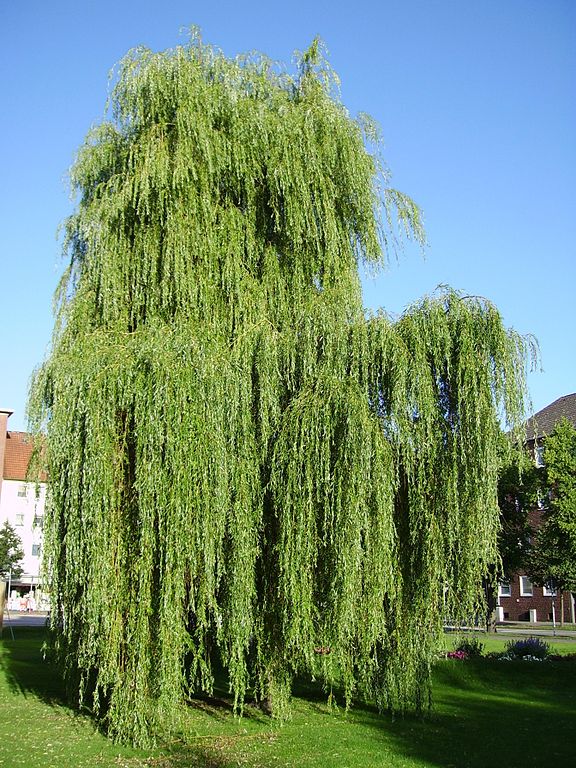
520,599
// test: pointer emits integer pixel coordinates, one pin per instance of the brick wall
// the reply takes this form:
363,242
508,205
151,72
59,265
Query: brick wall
517,607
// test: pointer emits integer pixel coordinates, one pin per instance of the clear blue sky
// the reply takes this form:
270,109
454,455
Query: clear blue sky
477,105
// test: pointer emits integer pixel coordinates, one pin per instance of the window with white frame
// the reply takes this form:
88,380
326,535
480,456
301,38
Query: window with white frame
36,549
526,589
539,455
549,590
22,490
504,589
20,519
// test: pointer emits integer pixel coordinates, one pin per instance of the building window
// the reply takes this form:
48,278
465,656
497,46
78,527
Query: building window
22,490
39,521
549,590
504,589
525,587
539,455
20,519
36,548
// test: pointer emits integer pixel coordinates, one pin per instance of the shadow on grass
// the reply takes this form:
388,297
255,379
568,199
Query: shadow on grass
26,672
25,669
505,714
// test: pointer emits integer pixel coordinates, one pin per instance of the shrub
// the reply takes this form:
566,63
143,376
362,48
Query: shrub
471,646
532,647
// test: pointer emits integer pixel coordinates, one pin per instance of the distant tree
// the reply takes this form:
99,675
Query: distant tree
519,482
245,464
518,489
553,559
11,551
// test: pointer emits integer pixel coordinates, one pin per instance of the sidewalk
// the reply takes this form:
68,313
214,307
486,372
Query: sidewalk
21,619
541,629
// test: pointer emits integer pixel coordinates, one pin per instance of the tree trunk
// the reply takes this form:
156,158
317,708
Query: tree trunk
490,608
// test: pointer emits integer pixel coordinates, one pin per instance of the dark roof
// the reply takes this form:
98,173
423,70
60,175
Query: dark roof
543,422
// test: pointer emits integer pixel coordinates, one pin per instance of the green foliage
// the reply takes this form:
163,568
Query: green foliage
471,646
519,484
245,467
534,647
11,552
554,557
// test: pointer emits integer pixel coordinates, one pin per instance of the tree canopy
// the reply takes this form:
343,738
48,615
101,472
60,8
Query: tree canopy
553,559
11,552
519,489
244,464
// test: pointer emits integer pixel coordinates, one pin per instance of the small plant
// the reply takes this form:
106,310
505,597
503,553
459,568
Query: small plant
533,648
471,646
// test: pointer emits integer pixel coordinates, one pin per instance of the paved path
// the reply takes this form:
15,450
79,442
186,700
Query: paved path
559,632
17,619
38,619
543,629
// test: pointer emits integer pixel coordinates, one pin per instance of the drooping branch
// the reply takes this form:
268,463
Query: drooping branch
242,463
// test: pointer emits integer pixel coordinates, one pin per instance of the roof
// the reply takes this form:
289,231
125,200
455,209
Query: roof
17,455
543,422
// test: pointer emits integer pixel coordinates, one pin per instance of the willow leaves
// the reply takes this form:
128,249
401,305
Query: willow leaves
243,465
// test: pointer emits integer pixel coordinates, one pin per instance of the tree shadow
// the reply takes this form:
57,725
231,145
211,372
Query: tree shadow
26,668
506,714
509,715
30,672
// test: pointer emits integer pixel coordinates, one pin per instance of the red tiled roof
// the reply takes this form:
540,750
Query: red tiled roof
17,455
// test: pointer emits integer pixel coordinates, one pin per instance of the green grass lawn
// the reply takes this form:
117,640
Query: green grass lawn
496,643
486,712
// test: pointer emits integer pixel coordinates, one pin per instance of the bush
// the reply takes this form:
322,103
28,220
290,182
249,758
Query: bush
471,646
533,648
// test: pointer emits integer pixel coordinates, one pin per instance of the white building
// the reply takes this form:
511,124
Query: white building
22,505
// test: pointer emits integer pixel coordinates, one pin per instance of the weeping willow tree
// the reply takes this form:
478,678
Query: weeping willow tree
245,466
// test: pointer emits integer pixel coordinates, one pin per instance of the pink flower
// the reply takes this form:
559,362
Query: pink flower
457,655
